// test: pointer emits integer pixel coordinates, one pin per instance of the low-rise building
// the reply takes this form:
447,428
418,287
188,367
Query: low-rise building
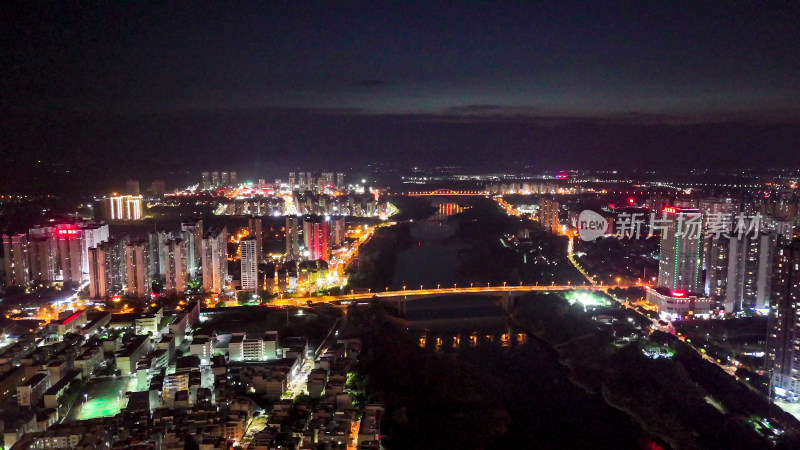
30,392
71,323
134,349
678,304
203,348
149,323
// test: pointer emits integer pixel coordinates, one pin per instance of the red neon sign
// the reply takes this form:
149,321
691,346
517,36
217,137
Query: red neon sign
631,200
679,294
561,176
67,232
670,209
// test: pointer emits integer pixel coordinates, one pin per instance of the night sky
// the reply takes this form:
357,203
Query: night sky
261,87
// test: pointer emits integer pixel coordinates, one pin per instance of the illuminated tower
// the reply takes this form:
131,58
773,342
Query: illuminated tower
679,256
248,248
315,237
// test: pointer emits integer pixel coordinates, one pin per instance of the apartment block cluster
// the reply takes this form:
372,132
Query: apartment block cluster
84,252
319,236
176,257
722,271
57,252
349,204
216,180
325,183
526,188
182,388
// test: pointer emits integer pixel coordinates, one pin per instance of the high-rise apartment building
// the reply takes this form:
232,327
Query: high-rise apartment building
340,181
176,271
302,182
215,260
248,248
783,329
192,233
255,226
132,188
223,179
679,251
214,179
137,266
548,214
70,253
107,269
205,181
740,271
91,234
158,188
292,181
157,261
43,251
292,238
15,249
337,228
315,237
233,178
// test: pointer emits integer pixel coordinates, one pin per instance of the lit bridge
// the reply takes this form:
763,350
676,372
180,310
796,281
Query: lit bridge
446,192
505,295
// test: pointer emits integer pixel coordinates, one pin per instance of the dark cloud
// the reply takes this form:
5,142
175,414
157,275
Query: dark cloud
158,86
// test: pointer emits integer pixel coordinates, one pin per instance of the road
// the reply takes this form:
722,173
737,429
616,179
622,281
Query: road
409,293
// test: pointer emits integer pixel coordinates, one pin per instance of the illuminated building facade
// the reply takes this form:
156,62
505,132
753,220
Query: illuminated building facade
192,233
107,269
255,227
679,255
137,266
783,329
337,227
176,273
121,207
315,237
739,273
292,238
70,253
15,249
548,214
678,304
157,241
215,260
248,248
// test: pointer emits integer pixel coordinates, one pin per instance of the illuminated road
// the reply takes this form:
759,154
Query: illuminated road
409,294
446,192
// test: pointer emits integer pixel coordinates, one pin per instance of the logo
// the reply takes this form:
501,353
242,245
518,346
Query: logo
591,225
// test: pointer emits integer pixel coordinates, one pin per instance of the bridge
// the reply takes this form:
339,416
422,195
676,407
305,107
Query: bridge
447,192
504,295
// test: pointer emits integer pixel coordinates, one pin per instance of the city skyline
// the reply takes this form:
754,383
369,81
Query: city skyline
550,85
